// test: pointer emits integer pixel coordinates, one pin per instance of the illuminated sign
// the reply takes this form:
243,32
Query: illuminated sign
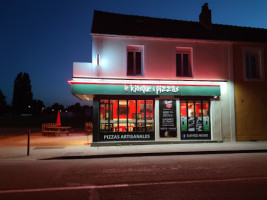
167,113
151,89
126,136
195,136
145,89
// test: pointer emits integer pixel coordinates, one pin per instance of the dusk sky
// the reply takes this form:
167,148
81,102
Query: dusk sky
45,37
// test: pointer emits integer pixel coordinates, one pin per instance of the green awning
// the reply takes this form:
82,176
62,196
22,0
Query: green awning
131,89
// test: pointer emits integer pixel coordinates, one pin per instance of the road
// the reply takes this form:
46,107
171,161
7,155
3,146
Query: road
222,176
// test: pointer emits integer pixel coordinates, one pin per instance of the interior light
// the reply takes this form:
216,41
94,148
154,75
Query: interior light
98,59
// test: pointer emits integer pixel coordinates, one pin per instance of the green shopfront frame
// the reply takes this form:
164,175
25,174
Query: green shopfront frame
142,89
121,110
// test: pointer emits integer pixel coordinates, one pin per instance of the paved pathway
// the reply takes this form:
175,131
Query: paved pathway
77,145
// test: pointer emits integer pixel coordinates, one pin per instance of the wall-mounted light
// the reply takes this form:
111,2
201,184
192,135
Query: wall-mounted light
98,59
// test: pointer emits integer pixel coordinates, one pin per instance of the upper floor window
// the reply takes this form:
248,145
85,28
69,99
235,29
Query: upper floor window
183,62
253,63
134,60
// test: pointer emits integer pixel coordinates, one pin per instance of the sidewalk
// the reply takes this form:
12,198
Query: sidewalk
77,146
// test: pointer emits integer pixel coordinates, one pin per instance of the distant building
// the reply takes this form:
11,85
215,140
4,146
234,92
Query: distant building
166,80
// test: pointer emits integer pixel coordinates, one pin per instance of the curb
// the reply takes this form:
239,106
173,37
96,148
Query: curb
156,154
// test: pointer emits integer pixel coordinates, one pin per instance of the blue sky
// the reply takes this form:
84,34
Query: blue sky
44,37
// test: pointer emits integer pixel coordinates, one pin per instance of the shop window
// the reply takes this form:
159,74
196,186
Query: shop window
108,115
183,62
122,116
113,115
191,116
198,116
104,115
134,60
183,109
206,116
140,115
126,116
253,63
195,120
149,115
131,115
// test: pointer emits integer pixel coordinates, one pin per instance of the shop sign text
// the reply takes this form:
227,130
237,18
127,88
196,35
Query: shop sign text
195,136
126,137
151,89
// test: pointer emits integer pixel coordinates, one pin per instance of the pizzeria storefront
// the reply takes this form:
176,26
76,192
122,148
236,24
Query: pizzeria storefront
126,111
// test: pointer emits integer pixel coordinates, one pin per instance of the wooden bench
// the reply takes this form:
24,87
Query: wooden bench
48,133
51,129
45,131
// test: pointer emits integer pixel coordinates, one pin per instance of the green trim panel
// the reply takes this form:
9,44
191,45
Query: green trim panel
108,89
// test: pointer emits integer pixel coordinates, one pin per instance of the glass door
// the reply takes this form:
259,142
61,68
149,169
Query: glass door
195,120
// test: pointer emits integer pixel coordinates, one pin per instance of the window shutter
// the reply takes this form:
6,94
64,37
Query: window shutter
138,63
178,64
130,63
186,65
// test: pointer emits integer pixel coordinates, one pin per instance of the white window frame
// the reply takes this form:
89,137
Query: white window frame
135,48
259,54
185,50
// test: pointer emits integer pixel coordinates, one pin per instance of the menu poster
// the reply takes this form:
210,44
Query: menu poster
206,124
183,124
167,113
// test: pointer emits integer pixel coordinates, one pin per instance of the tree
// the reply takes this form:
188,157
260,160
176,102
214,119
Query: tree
22,93
3,105
57,107
2,99
37,106
76,108
84,112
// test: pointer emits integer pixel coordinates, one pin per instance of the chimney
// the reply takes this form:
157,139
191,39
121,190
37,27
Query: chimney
205,16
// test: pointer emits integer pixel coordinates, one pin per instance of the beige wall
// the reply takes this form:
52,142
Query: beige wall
250,99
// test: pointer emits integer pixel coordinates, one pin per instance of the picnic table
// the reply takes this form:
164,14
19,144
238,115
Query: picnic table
52,130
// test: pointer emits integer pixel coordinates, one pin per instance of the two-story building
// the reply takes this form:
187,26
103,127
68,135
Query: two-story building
168,80
158,80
